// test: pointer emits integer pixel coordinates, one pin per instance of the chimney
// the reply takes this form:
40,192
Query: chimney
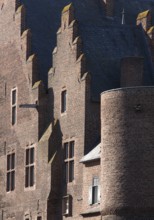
109,6
132,71
144,18
151,41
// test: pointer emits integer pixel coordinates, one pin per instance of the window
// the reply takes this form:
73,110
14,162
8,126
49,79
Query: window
69,161
94,191
63,101
67,205
14,106
29,168
10,172
39,218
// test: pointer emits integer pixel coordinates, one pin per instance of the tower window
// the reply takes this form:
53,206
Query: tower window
69,161
14,106
29,167
63,101
10,172
94,191
67,205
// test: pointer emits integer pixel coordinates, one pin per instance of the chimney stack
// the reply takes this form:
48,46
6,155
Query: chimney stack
132,71
109,6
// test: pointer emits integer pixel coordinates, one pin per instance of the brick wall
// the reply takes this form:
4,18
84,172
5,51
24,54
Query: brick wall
18,70
127,153
91,169
132,71
69,73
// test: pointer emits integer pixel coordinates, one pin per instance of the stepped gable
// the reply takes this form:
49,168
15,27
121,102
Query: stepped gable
87,13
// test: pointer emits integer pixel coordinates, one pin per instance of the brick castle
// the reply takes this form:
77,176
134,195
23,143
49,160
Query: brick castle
76,124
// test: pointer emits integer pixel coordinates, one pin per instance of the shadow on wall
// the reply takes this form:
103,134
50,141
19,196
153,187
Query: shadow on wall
54,207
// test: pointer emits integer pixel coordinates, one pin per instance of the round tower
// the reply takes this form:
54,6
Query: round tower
127,187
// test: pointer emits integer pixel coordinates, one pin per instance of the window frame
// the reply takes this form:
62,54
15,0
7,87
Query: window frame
10,187
28,165
69,161
67,203
94,191
14,106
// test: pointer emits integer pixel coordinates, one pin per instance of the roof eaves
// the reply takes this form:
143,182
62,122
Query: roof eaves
90,160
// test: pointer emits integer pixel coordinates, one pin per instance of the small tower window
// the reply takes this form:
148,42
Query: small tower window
63,101
67,205
94,191
14,106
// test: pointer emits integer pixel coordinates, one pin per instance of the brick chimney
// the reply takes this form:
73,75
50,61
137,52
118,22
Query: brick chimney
144,18
109,6
132,71
151,41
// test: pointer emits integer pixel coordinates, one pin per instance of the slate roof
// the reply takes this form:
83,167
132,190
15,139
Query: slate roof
104,47
92,155
105,40
133,8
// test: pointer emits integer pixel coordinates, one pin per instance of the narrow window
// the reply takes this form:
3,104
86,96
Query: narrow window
67,205
63,101
29,167
14,106
94,191
10,172
69,161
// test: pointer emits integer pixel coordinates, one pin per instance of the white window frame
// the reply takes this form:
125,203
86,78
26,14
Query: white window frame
67,205
91,191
